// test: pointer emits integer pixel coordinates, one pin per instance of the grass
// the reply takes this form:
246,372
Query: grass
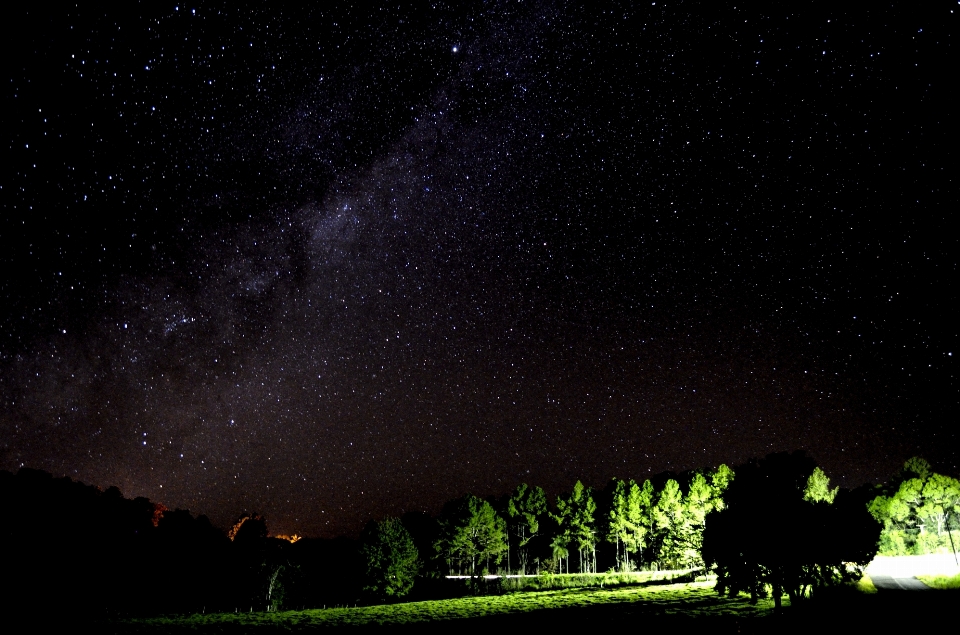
695,599
551,582
941,581
865,585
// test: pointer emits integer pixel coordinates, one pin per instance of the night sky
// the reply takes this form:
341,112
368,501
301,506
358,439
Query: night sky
334,264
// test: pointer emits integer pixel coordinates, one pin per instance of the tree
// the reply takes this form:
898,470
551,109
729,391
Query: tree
575,524
670,524
941,497
584,528
915,467
526,508
249,529
766,510
471,533
698,502
915,509
720,480
562,534
618,526
390,559
818,488
640,514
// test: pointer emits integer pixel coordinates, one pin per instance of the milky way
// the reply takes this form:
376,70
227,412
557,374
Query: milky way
333,265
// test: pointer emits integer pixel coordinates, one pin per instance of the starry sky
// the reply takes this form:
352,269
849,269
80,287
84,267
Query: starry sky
335,264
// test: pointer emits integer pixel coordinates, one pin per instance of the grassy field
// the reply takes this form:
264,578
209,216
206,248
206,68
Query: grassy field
690,600
941,581
553,582
652,607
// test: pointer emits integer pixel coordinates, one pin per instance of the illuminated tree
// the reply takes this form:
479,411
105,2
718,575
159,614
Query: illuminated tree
574,518
248,528
390,559
640,514
471,533
526,508
698,502
578,511
915,510
618,526
818,488
586,529
670,520
720,480
941,497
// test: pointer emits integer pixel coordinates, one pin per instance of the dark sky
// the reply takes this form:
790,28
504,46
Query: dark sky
331,265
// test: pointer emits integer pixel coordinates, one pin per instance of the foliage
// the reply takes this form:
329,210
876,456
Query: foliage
390,559
818,488
630,519
720,480
679,519
471,535
825,540
917,509
574,518
915,467
248,528
670,522
640,514
526,509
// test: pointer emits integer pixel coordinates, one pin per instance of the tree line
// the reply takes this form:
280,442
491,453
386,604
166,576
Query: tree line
770,526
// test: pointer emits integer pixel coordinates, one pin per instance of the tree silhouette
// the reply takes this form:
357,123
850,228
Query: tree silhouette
770,540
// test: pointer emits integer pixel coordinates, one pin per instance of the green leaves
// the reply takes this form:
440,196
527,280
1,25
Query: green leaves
526,507
471,533
390,559
917,515
818,488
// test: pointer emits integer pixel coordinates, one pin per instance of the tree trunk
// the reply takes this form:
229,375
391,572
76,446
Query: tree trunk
950,534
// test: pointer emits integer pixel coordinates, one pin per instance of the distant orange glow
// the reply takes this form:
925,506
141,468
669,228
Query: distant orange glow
293,538
233,530
158,509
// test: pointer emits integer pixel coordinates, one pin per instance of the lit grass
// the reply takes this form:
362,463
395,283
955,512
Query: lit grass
865,585
551,582
941,581
696,599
